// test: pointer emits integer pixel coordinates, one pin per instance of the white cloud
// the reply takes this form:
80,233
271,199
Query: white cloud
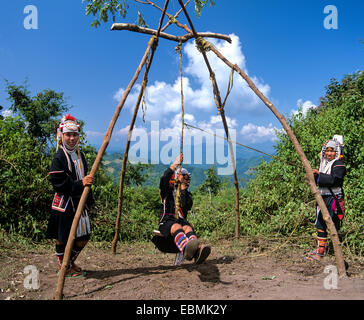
177,120
241,96
123,132
118,94
117,135
163,99
304,107
7,113
211,125
94,134
258,134
216,120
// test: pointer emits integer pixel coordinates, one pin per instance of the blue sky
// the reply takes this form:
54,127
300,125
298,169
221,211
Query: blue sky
283,45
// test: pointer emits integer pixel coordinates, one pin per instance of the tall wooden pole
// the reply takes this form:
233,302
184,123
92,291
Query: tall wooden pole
220,107
157,34
126,153
152,45
81,205
309,174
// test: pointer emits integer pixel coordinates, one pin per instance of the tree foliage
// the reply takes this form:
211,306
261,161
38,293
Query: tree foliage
26,193
277,202
199,4
279,199
40,113
102,10
212,183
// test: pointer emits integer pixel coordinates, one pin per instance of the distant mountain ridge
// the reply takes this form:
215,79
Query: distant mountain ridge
113,163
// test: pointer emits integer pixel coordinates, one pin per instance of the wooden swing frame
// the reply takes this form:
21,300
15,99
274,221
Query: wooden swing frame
203,46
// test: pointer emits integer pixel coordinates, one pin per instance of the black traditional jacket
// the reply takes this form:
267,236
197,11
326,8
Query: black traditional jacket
68,188
167,192
332,182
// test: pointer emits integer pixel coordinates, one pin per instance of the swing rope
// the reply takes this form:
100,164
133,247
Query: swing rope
178,193
221,137
189,126
229,88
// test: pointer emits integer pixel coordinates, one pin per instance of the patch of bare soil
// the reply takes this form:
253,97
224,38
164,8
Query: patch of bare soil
235,270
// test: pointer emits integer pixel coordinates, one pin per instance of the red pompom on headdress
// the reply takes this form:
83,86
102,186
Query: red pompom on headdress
69,117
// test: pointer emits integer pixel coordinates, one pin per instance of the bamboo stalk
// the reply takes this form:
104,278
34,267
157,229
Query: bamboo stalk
309,174
219,105
152,44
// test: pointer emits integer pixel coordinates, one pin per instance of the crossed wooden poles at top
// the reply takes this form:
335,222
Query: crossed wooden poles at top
147,59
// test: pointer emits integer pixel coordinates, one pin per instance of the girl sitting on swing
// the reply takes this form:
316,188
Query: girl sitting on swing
178,235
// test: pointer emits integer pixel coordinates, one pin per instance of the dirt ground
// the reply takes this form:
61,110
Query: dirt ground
235,270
